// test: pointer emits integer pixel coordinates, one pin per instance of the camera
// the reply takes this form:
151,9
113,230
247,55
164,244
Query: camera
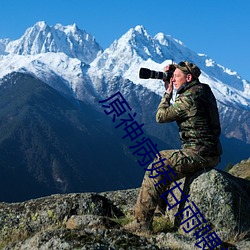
145,73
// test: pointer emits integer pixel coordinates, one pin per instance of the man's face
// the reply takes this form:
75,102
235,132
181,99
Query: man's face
179,78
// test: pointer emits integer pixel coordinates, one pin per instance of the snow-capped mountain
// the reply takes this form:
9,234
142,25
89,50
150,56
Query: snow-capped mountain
50,138
71,61
70,40
137,49
51,53
67,51
58,70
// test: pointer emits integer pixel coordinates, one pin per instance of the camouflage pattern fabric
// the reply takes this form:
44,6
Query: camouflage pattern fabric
183,162
195,111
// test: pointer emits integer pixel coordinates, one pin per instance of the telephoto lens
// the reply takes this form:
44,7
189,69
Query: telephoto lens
145,73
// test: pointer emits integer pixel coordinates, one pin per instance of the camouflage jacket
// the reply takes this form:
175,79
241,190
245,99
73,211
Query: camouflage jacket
195,111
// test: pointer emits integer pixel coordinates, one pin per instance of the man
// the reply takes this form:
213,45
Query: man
195,111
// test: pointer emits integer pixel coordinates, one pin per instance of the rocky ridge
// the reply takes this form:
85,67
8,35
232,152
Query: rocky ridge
96,220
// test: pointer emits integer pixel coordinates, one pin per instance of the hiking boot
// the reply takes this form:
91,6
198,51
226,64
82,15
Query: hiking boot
136,226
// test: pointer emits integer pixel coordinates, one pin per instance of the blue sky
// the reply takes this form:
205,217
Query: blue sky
218,28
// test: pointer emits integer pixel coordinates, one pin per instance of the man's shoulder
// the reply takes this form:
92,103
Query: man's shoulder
198,89
196,93
200,86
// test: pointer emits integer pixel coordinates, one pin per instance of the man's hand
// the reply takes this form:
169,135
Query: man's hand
168,85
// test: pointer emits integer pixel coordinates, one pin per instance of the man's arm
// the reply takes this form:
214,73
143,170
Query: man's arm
182,108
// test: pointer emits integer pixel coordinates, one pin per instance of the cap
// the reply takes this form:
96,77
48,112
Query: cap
190,68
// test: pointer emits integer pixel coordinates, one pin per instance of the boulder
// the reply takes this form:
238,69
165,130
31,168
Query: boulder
84,239
95,221
222,199
21,220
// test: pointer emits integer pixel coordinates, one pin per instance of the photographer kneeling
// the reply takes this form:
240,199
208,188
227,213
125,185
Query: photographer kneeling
195,111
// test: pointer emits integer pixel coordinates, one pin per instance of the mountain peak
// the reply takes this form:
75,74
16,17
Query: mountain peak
42,38
166,40
41,24
69,28
140,29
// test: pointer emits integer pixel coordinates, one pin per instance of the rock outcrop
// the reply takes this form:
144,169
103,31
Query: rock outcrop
95,221
241,169
222,199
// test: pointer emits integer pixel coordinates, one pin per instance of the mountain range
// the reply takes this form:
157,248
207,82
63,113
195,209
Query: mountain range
54,134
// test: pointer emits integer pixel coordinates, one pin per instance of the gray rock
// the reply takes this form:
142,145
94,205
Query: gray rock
175,241
222,199
89,220
243,245
20,220
86,239
124,199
